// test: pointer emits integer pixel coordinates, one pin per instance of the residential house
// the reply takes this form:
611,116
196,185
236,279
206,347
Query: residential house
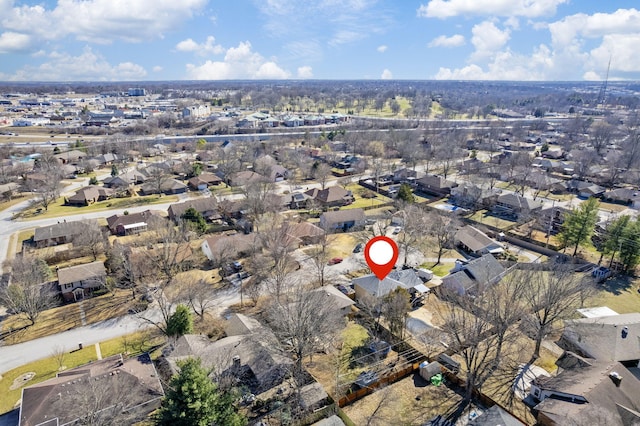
167,186
369,287
106,159
244,178
343,220
59,233
78,282
218,248
71,157
476,242
299,200
89,195
8,190
584,189
405,175
132,223
250,355
204,180
306,232
207,207
125,180
472,196
550,220
516,206
475,276
627,196
333,196
130,384
599,376
435,185
337,299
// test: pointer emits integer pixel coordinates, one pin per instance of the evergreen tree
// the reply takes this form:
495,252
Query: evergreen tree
180,322
613,240
580,224
405,194
194,400
195,220
114,170
629,243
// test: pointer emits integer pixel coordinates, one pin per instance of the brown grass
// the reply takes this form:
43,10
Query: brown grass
67,317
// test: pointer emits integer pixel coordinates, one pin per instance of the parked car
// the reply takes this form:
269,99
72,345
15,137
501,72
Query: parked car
358,248
397,230
335,261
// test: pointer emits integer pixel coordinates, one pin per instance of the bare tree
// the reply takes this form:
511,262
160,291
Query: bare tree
601,134
47,191
27,292
442,228
277,249
58,353
91,238
260,199
321,172
170,251
414,220
551,296
198,294
157,177
320,256
304,322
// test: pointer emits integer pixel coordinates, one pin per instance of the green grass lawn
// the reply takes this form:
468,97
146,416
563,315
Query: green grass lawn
59,209
620,294
48,367
441,269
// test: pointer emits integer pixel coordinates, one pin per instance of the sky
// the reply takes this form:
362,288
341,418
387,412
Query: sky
146,40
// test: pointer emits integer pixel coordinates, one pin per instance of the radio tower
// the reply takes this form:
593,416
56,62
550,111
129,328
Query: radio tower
602,95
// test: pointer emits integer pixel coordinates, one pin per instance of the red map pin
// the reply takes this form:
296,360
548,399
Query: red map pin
381,254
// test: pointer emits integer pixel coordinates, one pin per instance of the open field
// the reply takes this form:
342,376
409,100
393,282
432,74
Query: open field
59,209
68,316
47,368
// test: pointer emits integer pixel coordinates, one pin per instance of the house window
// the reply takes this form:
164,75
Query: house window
66,286
536,393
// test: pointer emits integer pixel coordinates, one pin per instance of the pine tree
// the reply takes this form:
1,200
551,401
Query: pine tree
580,224
180,322
194,400
405,194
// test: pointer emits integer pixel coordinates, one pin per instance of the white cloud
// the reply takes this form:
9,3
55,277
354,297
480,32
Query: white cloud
622,21
305,72
202,49
239,63
382,48
14,42
157,68
488,39
100,21
449,8
386,75
444,41
62,66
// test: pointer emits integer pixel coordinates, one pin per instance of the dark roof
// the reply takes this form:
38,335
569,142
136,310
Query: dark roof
202,205
329,195
600,391
93,270
59,400
435,182
622,194
475,239
90,193
116,220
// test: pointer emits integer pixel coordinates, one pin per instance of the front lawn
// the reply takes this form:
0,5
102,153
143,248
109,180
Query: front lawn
47,368
59,209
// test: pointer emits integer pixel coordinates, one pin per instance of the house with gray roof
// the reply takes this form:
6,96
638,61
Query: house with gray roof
435,185
60,233
115,385
370,287
516,206
474,241
343,220
474,276
78,282
250,355
599,374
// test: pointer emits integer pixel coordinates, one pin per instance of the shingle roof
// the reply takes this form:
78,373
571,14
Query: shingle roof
81,272
60,399
376,287
62,229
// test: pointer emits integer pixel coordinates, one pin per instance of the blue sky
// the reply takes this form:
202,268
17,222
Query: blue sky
88,40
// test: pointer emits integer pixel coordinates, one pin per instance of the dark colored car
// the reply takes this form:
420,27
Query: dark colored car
358,248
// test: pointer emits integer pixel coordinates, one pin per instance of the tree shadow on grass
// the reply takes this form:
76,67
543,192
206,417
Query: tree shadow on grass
617,285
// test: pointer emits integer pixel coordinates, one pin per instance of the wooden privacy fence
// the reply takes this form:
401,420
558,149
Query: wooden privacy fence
386,380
